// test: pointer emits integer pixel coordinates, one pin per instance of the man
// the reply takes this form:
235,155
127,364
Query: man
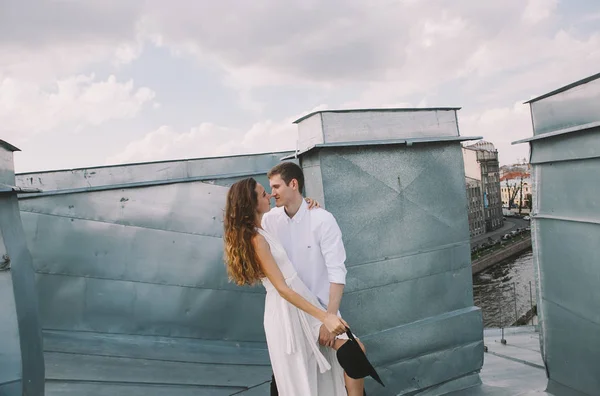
313,241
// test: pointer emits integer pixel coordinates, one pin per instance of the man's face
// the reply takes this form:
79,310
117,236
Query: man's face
282,193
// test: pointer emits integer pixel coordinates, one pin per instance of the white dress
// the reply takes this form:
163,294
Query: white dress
301,366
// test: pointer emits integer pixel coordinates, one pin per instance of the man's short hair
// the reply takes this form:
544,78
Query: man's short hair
288,171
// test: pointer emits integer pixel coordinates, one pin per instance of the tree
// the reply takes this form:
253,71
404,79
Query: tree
513,190
521,196
514,185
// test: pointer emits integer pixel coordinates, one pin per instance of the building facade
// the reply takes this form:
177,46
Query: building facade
475,207
481,163
516,189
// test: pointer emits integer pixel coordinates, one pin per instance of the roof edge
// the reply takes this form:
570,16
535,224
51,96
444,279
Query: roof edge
407,141
383,109
8,146
565,88
559,132
275,153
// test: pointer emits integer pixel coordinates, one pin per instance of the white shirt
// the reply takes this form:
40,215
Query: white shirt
312,240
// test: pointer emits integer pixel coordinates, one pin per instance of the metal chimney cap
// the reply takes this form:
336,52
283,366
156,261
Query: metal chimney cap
376,110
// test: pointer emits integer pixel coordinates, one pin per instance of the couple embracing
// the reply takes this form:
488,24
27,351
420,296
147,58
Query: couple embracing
297,252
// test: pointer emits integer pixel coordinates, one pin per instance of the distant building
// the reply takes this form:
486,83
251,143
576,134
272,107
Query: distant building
523,167
475,207
481,163
516,185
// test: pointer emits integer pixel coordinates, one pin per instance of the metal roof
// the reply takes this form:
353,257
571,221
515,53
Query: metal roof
564,131
565,88
389,109
408,142
152,162
9,188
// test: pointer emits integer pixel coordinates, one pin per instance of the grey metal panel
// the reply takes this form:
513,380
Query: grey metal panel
406,192
112,251
435,333
428,352
378,110
566,231
21,358
310,132
387,306
63,366
111,306
260,390
147,172
382,288
418,376
227,182
157,348
12,388
188,208
565,88
410,265
313,179
376,125
571,350
10,352
584,144
69,388
7,170
578,105
572,197
133,246
568,280
133,364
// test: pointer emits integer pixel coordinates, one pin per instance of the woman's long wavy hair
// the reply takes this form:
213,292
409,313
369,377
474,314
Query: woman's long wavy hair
243,265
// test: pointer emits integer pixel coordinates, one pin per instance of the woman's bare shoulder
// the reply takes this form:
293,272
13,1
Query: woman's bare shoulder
259,241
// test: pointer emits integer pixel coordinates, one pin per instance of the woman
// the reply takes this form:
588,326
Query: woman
293,314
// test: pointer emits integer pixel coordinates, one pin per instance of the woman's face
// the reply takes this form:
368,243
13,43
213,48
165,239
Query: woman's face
263,198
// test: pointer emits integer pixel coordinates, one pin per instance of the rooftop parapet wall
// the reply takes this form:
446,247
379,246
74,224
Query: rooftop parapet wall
565,154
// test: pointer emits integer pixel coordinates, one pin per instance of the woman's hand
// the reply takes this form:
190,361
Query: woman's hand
312,204
335,324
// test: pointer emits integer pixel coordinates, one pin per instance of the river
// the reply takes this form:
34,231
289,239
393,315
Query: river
494,290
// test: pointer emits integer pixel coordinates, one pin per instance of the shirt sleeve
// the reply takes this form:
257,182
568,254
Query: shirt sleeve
332,248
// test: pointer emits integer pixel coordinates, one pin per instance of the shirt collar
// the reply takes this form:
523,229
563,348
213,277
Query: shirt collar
300,213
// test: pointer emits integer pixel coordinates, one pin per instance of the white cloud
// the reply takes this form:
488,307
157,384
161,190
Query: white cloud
77,101
212,140
483,56
501,126
538,10
208,140
41,41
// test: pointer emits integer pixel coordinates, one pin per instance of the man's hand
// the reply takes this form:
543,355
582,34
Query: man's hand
326,338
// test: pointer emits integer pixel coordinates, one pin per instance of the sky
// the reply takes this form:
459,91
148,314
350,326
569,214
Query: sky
100,82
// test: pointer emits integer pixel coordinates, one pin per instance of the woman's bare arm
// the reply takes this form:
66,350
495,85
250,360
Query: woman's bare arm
273,273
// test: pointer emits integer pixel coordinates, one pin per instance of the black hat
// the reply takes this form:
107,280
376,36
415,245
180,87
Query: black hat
354,361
